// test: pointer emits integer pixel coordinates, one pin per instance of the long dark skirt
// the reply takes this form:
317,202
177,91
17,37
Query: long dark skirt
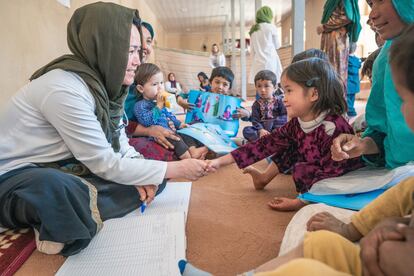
147,146
62,207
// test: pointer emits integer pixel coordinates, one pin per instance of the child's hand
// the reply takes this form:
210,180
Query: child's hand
263,132
186,105
241,113
190,106
183,125
160,101
213,165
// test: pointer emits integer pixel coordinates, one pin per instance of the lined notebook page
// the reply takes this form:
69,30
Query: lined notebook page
137,245
174,198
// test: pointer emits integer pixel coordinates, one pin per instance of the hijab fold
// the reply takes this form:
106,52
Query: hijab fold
98,36
263,15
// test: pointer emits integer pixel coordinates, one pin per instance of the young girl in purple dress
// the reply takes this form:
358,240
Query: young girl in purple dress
314,101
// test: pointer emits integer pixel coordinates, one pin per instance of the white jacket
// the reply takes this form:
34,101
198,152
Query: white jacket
264,44
176,90
53,118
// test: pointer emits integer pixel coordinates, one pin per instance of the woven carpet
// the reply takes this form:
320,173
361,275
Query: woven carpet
15,247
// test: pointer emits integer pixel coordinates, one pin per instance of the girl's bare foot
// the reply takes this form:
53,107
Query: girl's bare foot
198,153
286,204
326,221
259,179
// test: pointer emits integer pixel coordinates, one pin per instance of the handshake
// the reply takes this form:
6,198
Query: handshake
212,165
194,169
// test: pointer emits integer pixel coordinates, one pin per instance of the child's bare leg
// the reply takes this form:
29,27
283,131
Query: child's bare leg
261,179
326,221
198,153
185,155
286,204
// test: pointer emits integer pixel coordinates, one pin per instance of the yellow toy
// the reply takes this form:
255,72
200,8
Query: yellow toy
165,96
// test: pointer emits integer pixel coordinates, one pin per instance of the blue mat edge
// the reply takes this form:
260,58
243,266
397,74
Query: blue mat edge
348,201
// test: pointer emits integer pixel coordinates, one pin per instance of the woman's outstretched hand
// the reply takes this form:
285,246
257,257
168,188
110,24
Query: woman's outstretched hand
347,146
194,168
191,169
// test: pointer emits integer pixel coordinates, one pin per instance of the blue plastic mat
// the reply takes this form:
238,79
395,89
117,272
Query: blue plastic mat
349,201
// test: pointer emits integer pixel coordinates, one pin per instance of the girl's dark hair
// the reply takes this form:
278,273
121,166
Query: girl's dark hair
369,63
318,73
266,75
202,74
145,72
309,54
168,77
402,57
223,72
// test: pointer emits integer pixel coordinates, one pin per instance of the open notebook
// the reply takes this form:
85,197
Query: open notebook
138,244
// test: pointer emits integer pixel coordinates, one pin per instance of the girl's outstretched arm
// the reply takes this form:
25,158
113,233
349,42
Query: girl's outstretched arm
215,164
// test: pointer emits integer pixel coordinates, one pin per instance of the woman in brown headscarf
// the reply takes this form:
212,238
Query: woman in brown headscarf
340,26
73,167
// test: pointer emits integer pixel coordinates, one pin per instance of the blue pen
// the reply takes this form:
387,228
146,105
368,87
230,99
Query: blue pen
143,206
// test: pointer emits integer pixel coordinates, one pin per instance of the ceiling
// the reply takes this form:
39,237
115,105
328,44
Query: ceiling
198,16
